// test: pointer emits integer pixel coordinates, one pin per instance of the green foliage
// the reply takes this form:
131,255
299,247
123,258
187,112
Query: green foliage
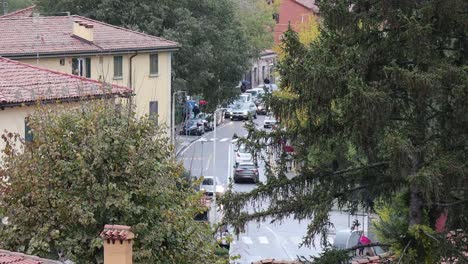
14,5
375,106
93,165
217,42
332,256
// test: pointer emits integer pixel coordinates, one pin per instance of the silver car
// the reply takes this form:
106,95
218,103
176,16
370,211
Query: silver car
243,110
246,171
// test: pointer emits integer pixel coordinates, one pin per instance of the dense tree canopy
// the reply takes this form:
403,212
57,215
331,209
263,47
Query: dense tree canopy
376,109
94,165
217,42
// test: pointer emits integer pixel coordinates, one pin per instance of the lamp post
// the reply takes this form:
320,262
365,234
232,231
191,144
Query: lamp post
173,117
214,159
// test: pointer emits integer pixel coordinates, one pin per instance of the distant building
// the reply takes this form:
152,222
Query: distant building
294,13
262,68
96,50
22,86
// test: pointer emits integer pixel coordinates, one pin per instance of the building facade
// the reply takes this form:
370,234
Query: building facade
96,50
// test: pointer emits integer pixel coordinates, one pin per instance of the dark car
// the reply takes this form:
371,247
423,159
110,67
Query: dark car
206,120
246,171
193,127
261,109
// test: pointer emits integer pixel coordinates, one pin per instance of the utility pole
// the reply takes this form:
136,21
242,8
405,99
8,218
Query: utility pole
214,160
5,7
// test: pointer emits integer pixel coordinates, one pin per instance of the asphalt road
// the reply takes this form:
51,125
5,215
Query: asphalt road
260,240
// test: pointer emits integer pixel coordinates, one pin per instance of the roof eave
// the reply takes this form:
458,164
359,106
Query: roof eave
4,105
90,52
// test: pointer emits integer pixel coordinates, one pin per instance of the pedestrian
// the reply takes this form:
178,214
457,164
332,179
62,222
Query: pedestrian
363,240
195,110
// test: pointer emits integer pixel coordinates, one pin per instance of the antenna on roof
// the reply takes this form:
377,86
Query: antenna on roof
5,7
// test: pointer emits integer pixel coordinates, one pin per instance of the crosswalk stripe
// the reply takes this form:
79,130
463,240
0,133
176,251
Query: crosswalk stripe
263,240
212,139
247,240
224,139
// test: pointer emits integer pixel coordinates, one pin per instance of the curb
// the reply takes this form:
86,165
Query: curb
186,146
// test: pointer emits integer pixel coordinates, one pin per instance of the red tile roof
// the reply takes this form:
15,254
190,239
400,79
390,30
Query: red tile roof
8,257
25,12
22,83
31,36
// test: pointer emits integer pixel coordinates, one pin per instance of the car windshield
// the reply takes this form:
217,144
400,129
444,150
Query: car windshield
253,93
191,122
207,181
241,106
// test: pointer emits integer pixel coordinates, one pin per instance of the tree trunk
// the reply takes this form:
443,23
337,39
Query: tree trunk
416,205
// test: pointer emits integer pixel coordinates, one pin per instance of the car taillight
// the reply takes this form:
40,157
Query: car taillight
239,170
238,155
255,170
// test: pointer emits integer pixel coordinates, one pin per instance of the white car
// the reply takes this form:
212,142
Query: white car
243,154
207,185
243,110
245,97
269,121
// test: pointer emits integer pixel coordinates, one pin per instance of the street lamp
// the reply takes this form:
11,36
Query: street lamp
214,158
173,117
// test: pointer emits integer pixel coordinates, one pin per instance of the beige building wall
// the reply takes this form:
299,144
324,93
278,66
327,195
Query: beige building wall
146,87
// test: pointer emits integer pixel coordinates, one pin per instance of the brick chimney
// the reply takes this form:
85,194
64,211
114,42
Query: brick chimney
83,30
118,243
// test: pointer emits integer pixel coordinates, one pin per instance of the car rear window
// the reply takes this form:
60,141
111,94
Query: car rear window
207,181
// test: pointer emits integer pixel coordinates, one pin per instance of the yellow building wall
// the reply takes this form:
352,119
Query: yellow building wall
146,88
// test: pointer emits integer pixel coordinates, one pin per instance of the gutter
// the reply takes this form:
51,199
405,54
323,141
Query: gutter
130,82
86,53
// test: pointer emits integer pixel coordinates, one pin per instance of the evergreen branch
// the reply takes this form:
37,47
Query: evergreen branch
377,244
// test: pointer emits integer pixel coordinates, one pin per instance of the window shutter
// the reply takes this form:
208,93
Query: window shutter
28,136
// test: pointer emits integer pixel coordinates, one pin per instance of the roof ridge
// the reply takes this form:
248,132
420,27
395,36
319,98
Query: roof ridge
18,11
62,73
125,29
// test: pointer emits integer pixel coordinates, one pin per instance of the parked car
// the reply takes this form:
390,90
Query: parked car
207,120
269,88
193,127
243,110
257,94
207,185
261,109
269,121
246,170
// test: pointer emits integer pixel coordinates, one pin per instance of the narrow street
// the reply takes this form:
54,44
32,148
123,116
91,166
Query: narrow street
260,240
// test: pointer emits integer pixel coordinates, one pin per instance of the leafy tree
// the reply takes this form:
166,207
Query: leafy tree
375,108
94,165
14,5
216,41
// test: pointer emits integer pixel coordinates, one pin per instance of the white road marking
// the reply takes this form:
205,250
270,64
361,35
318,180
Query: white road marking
224,140
247,240
278,239
263,240
212,139
208,163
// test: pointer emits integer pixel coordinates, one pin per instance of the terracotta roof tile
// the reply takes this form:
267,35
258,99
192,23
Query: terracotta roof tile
25,36
8,257
25,12
21,83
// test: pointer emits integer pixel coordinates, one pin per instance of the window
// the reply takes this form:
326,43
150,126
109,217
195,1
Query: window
28,135
255,75
263,72
276,18
81,67
62,62
118,65
153,111
154,67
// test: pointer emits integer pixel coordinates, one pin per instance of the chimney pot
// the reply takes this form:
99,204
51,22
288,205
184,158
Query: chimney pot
117,253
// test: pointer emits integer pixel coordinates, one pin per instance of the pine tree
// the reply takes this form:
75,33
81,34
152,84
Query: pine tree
376,108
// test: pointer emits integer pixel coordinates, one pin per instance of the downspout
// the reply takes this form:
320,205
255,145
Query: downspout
130,79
